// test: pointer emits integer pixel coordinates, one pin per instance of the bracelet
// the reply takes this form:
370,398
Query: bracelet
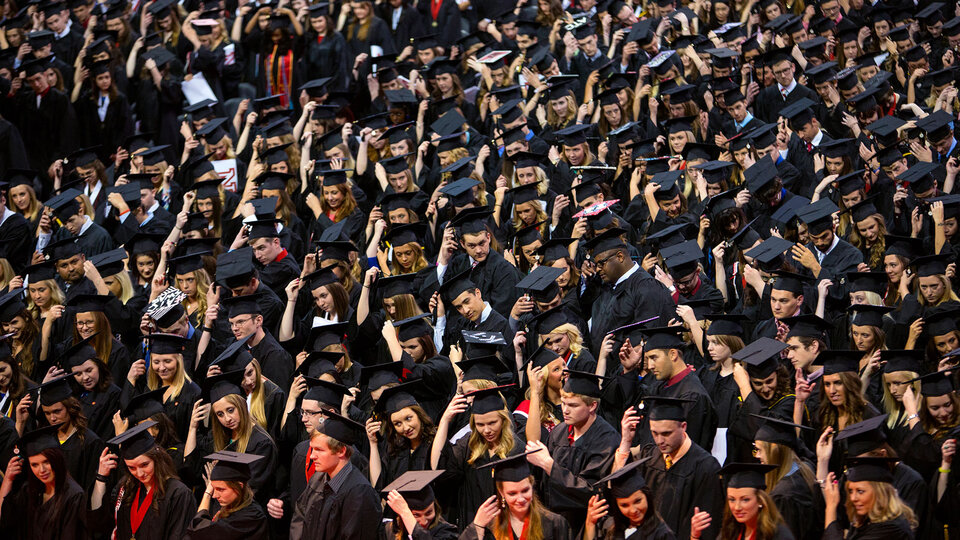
127,211
102,478
208,493
912,416
821,482
944,471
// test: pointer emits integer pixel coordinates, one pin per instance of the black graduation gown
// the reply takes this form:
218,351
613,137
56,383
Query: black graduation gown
275,362
554,528
725,393
278,274
328,58
495,277
82,457
440,531
116,125
49,131
248,523
577,466
16,242
395,462
700,412
180,408
471,486
896,529
351,512
99,407
437,376
638,298
801,507
40,522
652,529
167,519
842,259
692,481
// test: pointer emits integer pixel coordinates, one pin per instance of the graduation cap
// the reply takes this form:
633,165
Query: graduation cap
264,228
413,327
840,361
38,440
903,246
798,113
55,390
236,356
528,235
319,363
64,204
746,475
625,481
790,282
111,262
779,431
606,241
868,315
235,268
11,304
665,408
280,127
232,466
34,66
818,216
761,358
541,282
510,469
340,428
760,175
938,125
161,56
586,189
396,398
326,392
241,305
724,324
662,337
935,384
931,265
142,406
941,77
136,441
76,354
920,176
574,135
951,28
399,132
512,135
400,235
39,272
807,325
335,250
822,73
746,237
187,263
870,469
940,320
220,386
213,131
553,250
167,343
685,260
380,375
62,249
902,360
415,488
471,220
483,343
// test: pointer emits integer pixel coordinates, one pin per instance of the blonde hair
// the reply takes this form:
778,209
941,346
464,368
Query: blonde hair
220,436
6,273
203,284
890,405
126,286
33,209
540,216
573,334
784,458
887,506
56,296
180,378
505,443
418,264
258,410
406,306
554,120
948,293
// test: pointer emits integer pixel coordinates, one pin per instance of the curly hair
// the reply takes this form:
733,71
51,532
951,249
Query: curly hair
397,443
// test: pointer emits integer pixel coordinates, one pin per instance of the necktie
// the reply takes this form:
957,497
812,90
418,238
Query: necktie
473,264
668,461
809,147
783,92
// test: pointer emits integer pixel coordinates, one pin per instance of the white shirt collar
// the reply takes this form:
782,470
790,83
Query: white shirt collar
66,30
633,269
87,222
92,193
6,213
836,240
788,89
485,313
817,139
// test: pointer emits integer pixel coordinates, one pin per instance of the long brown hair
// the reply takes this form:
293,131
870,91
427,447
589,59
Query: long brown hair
853,403
30,333
243,500
346,207
397,443
768,519
163,471
876,251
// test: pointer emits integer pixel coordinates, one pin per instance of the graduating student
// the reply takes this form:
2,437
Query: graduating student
750,511
872,505
682,475
578,451
49,503
515,512
238,515
400,434
627,293
163,366
99,396
417,508
149,500
634,514
338,503
59,406
473,312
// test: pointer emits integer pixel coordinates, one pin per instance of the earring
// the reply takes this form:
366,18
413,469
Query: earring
761,506
503,503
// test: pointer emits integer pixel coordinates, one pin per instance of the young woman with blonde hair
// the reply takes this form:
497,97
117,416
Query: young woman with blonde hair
165,370
491,438
234,429
750,511
873,508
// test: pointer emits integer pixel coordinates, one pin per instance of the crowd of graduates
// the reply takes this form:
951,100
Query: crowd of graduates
479,269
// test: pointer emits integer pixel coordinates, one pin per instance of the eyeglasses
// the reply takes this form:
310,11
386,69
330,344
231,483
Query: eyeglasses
86,324
305,413
238,324
601,262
